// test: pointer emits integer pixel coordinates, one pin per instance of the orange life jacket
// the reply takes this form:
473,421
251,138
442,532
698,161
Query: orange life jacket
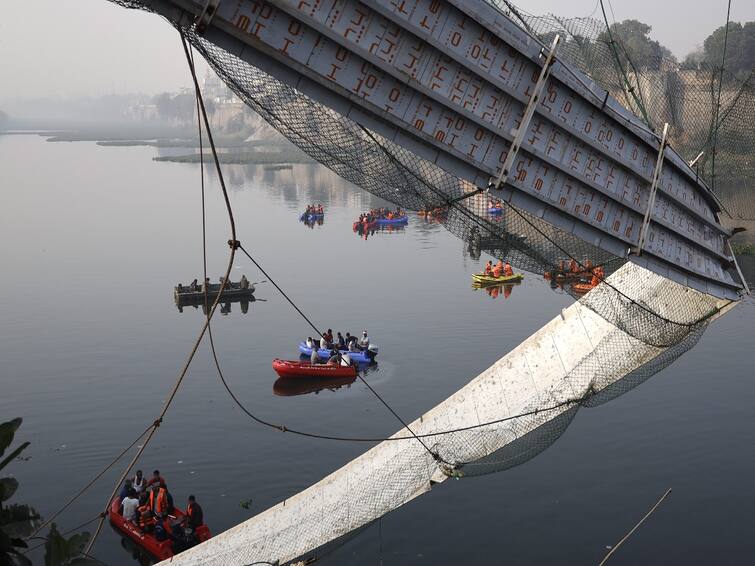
507,271
488,269
161,505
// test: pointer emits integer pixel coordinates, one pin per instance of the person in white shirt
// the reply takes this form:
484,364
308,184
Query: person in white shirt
130,505
324,342
345,359
310,342
364,342
139,482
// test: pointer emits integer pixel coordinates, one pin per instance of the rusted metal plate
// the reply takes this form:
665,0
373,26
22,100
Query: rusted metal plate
452,85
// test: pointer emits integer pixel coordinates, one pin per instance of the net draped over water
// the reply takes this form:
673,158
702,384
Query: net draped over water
650,317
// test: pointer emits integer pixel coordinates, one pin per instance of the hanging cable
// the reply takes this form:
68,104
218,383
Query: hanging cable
84,489
718,101
234,244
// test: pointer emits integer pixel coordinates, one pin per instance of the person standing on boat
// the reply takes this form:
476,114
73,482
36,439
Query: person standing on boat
324,342
364,343
244,283
314,356
139,482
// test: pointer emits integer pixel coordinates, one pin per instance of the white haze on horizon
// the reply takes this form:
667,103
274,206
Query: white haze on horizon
50,49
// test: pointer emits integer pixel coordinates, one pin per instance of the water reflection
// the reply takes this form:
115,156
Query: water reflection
495,291
225,304
290,386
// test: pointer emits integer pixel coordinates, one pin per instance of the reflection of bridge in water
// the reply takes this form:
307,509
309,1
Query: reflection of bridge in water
427,104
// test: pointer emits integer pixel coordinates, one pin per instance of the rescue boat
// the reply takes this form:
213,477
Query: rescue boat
162,550
299,369
482,279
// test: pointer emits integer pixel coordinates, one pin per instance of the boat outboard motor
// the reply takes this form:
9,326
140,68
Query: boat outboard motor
372,350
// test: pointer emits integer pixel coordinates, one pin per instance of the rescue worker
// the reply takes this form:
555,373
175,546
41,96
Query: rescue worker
507,271
194,515
364,342
314,356
498,269
156,478
489,268
159,501
340,342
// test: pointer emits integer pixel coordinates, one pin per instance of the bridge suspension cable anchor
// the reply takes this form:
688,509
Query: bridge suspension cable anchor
529,111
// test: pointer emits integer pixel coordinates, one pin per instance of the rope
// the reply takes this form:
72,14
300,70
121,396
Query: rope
626,536
306,318
718,101
63,534
630,89
233,243
90,484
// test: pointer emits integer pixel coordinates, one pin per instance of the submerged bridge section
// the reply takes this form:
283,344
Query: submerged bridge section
503,417
462,86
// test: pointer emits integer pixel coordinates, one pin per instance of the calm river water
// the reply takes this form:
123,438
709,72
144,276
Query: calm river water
92,241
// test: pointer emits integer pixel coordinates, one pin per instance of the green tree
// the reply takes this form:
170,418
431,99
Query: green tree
740,48
634,46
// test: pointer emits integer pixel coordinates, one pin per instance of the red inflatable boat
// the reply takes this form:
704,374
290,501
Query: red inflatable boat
285,368
161,550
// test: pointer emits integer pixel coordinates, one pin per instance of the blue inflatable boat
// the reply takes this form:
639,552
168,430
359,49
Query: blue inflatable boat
495,210
389,221
361,357
311,217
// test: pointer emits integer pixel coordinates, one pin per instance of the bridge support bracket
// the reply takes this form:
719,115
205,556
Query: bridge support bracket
653,190
205,17
529,111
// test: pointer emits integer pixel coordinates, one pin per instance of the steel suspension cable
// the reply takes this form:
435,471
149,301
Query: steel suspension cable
233,245
718,101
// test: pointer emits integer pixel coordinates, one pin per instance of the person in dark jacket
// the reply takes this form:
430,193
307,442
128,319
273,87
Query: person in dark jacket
194,515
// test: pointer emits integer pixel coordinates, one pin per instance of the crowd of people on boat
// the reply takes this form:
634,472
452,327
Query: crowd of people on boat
147,504
500,269
581,276
339,346
494,203
437,213
381,213
316,208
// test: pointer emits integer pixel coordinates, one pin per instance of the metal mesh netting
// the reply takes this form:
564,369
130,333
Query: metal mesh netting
650,317
659,89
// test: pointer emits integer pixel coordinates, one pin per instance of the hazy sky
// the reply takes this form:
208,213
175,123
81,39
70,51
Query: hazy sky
93,47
